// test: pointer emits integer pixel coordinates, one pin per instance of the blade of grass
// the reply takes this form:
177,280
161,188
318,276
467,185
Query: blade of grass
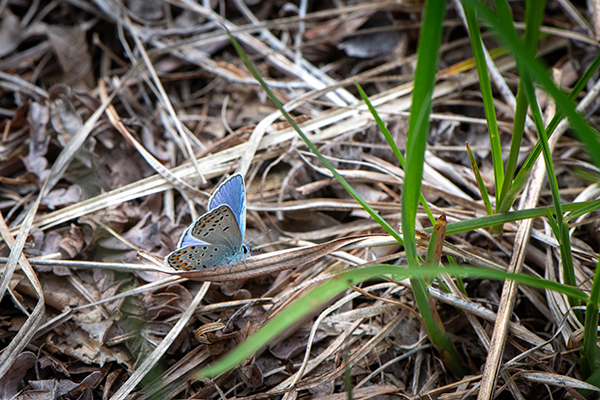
488,100
392,143
418,123
482,189
521,178
552,223
499,219
333,287
505,16
590,333
252,68
538,72
560,227
563,239
430,38
580,211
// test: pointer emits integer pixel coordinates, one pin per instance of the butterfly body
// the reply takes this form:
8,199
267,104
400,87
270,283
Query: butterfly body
217,237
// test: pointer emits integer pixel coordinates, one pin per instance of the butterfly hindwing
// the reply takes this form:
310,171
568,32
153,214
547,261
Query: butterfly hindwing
195,257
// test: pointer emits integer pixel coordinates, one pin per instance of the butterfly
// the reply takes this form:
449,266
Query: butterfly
217,237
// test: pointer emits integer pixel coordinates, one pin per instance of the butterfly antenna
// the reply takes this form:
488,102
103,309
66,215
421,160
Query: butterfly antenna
253,239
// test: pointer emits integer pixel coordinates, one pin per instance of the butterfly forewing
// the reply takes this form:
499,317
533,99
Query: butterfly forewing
218,227
233,193
187,239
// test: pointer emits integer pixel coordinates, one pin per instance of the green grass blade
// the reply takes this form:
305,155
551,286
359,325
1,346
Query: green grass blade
392,143
430,38
521,177
500,219
435,327
343,281
513,155
563,236
580,211
482,189
534,14
543,140
252,68
488,100
505,18
538,72
552,222
590,332
418,124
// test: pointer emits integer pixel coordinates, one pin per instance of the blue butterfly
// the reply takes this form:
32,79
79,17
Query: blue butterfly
217,237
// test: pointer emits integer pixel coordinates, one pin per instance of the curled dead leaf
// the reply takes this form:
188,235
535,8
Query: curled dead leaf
261,265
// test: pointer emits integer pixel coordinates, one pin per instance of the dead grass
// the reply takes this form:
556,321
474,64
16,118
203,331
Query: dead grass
118,120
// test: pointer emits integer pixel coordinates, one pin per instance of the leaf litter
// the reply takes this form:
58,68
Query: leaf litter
182,113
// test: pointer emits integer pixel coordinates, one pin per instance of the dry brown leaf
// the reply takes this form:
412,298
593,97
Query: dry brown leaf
12,383
71,49
62,197
11,32
77,343
66,122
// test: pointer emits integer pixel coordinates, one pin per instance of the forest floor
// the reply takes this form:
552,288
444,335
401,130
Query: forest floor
87,195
